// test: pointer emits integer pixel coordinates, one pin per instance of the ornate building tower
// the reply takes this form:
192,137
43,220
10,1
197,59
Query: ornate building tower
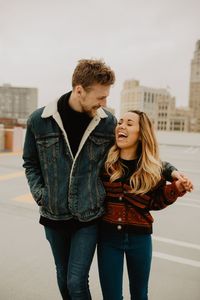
194,96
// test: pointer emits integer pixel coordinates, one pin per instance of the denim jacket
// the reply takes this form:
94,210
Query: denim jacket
65,186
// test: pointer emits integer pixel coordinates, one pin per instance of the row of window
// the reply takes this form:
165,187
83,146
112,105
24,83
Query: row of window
162,114
162,122
175,128
162,107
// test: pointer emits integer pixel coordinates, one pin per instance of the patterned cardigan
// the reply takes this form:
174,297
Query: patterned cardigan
125,211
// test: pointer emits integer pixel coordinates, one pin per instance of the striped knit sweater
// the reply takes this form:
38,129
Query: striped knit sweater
125,211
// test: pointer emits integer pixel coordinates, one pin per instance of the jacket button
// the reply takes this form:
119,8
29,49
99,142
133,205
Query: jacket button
119,227
120,198
119,219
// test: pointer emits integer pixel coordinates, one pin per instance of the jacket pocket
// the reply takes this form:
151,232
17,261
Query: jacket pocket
98,146
48,149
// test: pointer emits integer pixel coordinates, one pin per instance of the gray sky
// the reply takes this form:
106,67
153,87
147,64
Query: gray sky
149,40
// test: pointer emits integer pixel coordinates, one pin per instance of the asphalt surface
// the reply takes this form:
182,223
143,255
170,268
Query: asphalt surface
27,269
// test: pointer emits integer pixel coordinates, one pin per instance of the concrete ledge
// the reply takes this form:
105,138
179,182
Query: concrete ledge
184,139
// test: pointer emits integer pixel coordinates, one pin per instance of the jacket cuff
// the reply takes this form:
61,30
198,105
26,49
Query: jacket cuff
167,171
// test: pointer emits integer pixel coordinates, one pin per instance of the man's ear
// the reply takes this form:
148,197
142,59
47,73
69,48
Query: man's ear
79,90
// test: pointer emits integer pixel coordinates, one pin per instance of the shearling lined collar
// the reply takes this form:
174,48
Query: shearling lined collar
51,110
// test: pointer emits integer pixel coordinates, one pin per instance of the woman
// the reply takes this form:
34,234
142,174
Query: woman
134,186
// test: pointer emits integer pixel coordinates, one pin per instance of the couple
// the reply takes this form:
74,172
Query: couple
96,179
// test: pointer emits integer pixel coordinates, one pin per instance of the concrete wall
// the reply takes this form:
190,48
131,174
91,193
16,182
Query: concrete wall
178,138
13,139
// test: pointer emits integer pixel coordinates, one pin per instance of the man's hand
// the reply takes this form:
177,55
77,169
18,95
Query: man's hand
183,180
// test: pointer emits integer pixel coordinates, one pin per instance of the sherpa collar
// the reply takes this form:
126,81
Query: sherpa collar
51,110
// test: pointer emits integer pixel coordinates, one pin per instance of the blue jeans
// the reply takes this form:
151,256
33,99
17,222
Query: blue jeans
73,254
112,248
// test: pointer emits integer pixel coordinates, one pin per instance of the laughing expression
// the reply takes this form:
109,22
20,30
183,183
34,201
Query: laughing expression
127,131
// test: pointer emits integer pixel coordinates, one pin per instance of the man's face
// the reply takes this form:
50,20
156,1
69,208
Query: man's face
96,97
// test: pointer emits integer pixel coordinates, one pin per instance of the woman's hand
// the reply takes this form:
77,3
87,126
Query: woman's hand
182,181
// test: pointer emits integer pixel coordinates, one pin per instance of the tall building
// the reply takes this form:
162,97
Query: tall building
17,102
194,95
157,103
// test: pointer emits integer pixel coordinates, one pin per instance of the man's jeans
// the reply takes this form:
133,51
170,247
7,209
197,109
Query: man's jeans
112,248
73,254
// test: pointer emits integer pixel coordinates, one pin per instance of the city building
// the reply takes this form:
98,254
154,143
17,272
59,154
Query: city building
161,106
194,95
17,102
157,103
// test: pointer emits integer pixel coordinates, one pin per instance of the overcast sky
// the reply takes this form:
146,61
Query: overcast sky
152,41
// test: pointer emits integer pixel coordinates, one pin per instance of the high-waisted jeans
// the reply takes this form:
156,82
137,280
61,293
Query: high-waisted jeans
73,254
112,247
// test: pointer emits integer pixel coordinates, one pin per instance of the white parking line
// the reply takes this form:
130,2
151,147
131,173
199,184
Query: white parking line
188,200
188,204
192,171
175,242
178,259
191,150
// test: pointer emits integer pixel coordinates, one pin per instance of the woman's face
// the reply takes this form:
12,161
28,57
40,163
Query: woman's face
127,131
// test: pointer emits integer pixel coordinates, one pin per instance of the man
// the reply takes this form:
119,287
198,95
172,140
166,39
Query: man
65,147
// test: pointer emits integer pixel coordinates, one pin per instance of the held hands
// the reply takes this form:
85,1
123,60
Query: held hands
183,183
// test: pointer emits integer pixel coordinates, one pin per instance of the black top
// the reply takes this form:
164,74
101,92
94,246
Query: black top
75,124
130,166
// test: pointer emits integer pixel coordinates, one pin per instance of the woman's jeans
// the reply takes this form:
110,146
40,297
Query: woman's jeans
111,250
73,254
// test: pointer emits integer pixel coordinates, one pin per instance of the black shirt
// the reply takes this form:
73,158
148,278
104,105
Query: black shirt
130,166
74,123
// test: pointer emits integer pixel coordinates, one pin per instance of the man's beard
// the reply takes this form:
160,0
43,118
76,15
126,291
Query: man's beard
92,112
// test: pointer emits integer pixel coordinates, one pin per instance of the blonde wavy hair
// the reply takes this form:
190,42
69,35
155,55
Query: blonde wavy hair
149,167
